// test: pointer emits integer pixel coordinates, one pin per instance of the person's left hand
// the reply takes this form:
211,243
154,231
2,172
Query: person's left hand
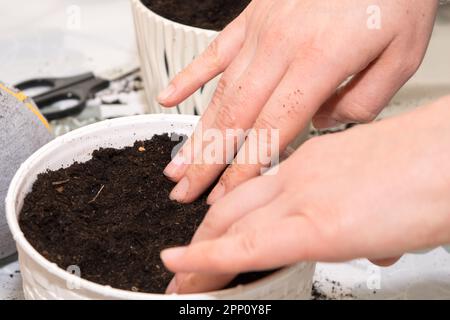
374,191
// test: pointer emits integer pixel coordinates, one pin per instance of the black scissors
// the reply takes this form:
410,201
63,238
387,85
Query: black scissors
79,88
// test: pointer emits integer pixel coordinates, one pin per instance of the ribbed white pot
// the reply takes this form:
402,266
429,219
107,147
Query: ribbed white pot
43,279
165,48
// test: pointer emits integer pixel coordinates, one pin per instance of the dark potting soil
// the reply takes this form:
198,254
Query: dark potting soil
205,14
111,217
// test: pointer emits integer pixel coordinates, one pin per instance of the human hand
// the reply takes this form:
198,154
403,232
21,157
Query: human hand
374,191
282,62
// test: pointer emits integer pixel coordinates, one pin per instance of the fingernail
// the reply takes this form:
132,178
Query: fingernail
180,191
166,93
168,255
173,286
324,122
173,169
217,193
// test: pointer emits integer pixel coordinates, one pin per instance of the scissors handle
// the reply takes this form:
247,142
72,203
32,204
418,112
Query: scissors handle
81,88
54,83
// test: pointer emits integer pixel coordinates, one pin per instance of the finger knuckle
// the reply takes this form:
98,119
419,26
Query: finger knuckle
221,87
235,174
218,95
234,229
187,73
246,239
226,117
358,112
237,169
313,53
213,57
272,33
411,65
266,121
266,128
197,169
248,244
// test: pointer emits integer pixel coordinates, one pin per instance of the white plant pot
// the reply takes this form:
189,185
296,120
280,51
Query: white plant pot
43,279
165,48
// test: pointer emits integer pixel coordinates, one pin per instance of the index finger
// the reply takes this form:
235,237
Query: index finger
213,61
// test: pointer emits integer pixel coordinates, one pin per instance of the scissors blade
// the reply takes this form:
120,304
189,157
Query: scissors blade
119,72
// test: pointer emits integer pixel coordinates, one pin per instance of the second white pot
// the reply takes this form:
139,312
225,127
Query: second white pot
165,48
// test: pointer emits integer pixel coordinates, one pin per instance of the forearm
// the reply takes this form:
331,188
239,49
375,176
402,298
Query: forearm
439,127
426,145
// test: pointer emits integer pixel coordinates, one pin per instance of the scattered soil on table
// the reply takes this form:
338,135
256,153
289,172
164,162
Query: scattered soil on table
316,132
111,216
337,292
205,14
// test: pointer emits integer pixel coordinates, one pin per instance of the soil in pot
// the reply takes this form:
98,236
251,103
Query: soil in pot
205,14
111,216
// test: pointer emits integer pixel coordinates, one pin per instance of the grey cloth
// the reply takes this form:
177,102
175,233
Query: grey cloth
21,133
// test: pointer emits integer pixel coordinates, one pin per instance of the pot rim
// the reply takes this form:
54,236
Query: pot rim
106,290
179,26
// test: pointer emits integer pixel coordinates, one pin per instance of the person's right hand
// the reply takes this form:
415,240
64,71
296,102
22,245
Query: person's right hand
374,191
283,61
